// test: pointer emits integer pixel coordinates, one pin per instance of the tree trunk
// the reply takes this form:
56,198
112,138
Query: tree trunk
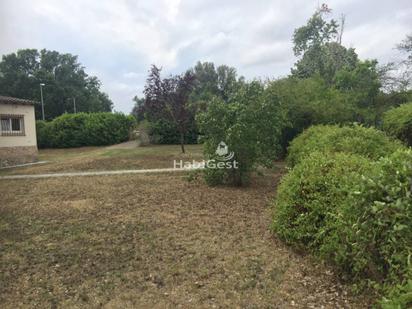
182,142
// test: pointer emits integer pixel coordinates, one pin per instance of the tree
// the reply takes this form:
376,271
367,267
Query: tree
315,33
22,72
318,45
212,82
168,98
138,108
250,123
362,86
325,61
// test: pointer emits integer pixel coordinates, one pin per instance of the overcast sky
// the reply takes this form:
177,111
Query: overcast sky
118,40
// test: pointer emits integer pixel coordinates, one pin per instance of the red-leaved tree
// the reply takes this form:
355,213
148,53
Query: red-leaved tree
168,98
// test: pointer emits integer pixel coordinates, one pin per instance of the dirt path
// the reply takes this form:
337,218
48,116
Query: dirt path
100,173
126,145
152,241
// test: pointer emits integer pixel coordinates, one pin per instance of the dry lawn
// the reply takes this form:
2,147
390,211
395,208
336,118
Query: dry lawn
152,241
108,158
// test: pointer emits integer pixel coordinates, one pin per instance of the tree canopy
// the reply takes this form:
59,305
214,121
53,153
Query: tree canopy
64,77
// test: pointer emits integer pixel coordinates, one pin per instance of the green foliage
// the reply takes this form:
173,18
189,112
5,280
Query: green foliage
315,33
166,132
307,102
398,297
43,134
354,213
229,123
325,61
309,195
250,124
398,123
84,129
221,82
367,142
64,77
373,225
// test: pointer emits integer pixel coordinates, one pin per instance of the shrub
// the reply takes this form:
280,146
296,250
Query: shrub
398,123
166,132
309,195
228,124
84,129
356,214
374,225
250,124
367,142
43,134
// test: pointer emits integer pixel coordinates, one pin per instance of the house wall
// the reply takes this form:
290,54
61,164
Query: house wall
19,149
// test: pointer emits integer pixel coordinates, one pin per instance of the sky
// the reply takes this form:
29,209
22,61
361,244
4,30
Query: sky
118,40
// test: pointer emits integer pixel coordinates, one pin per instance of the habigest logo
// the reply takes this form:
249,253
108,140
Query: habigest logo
223,160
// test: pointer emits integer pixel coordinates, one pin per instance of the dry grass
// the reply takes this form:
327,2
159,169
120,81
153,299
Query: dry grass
108,158
149,241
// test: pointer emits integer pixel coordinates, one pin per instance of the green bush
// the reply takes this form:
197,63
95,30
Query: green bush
43,134
84,129
309,195
374,225
354,213
223,123
250,124
367,142
166,132
398,123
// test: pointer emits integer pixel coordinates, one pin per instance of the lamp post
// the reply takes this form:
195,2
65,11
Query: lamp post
41,96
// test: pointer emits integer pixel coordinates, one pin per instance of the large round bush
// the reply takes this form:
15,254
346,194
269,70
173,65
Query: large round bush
309,195
373,237
398,122
367,142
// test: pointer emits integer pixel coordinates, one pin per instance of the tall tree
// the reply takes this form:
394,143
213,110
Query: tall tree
315,33
168,98
211,81
64,77
318,45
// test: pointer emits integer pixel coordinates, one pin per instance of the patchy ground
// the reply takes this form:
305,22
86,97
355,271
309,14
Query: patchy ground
116,157
152,241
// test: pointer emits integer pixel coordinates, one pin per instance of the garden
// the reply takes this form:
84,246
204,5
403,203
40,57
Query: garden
314,209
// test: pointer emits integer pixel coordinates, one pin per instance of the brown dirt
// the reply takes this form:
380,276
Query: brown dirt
144,241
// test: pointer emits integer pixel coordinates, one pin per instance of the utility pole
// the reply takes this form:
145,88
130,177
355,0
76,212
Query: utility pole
41,97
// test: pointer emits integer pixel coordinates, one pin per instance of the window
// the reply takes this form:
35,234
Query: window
12,125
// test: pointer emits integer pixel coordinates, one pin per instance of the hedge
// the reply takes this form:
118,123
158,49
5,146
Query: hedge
367,142
311,192
354,213
84,129
398,123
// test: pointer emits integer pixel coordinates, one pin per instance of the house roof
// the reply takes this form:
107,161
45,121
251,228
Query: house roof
11,100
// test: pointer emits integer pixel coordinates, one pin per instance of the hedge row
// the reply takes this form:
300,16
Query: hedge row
367,142
353,212
84,129
398,122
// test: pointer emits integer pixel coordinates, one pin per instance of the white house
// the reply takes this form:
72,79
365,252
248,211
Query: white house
18,142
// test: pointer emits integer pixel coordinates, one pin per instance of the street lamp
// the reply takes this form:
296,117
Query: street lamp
41,96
